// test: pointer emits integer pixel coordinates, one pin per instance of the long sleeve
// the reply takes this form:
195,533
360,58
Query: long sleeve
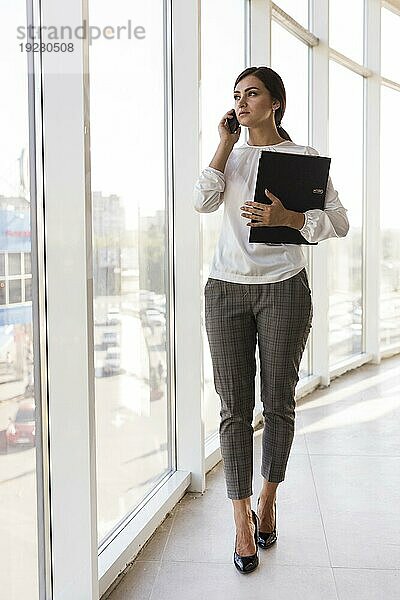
209,190
328,223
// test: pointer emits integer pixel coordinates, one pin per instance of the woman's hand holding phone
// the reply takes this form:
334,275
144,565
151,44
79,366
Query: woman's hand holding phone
224,129
226,143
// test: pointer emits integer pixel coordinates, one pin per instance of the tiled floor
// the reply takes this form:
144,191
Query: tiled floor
338,510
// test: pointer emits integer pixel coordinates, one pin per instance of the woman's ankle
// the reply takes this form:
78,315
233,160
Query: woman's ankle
268,491
242,508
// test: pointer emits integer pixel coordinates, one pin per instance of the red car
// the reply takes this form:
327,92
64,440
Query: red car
21,430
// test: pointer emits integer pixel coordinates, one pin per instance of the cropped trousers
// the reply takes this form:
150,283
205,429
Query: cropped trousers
278,316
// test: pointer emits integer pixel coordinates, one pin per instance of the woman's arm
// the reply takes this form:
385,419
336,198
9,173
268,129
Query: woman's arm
221,155
209,190
210,186
328,223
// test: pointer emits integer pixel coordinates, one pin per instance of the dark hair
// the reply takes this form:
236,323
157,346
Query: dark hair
274,84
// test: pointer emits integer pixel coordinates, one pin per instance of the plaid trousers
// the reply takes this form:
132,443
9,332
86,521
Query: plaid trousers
280,314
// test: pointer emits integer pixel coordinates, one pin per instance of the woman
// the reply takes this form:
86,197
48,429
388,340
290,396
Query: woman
257,290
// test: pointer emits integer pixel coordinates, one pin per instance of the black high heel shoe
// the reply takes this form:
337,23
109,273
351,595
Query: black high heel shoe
247,564
265,540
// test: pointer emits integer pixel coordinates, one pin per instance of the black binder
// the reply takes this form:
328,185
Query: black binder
299,181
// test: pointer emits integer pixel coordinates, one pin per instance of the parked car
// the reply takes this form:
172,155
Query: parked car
21,429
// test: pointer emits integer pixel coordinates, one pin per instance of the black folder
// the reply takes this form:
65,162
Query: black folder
299,181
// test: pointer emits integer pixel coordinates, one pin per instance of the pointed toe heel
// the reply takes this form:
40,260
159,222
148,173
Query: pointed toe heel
265,540
247,564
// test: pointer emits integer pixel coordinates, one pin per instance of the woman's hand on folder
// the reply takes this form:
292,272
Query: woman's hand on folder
270,215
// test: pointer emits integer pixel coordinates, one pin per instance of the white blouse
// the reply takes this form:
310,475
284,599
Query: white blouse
235,258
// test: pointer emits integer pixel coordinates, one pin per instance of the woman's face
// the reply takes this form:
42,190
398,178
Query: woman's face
252,97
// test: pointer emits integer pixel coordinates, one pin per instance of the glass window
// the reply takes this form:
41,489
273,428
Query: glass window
346,28
26,414
28,290
298,9
14,264
27,263
2,292
216,99
130,259
14,291
289,58
390,44
345,254
18,515
390,220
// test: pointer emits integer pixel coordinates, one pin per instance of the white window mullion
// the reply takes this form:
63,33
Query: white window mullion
37,279
190,455
319,116
371,217
67,209
393,5
292,26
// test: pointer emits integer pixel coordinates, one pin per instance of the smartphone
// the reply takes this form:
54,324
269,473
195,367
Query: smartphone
233,124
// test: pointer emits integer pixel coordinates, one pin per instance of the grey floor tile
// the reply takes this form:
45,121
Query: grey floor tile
201,530
355,427
359,498
367,584
137,583
205,581
154,548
